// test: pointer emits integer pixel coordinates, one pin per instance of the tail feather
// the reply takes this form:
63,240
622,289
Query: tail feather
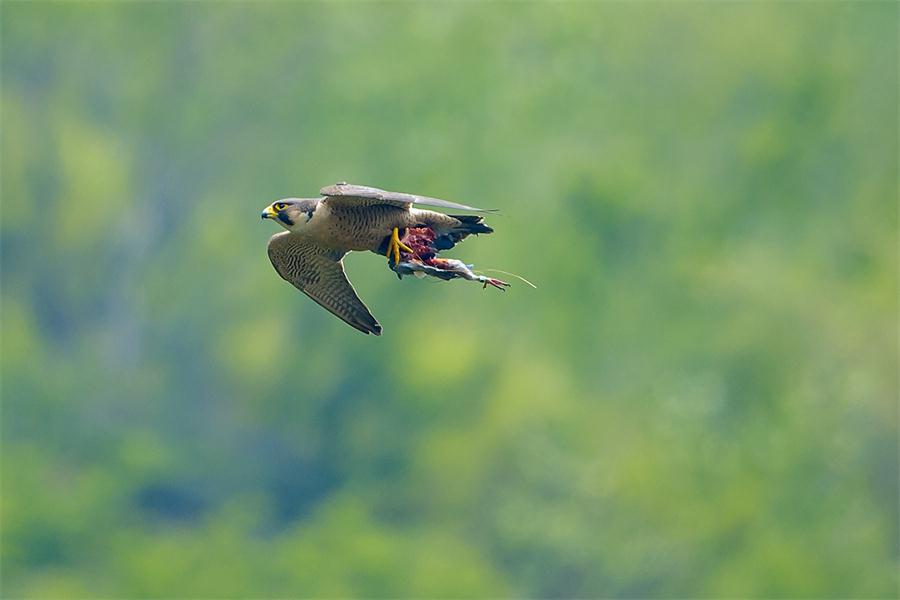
468,224
472,224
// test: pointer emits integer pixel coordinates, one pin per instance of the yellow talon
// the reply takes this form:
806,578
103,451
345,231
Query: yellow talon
395,245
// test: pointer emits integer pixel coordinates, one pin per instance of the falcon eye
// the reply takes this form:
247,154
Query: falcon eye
279,205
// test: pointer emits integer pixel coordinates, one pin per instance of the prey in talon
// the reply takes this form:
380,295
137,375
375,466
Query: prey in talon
421,259
345,218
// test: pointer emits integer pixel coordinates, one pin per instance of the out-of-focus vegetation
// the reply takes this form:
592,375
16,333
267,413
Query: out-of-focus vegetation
699,400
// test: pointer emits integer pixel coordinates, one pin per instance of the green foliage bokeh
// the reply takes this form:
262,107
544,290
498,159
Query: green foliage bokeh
699,400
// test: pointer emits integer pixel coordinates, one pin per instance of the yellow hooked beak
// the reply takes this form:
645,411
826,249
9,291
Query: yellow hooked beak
269,213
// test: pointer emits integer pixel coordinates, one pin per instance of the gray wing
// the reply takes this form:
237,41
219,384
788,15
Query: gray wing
319,273
347,194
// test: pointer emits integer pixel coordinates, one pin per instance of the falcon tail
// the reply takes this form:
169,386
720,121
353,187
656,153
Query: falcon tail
472,224
468,224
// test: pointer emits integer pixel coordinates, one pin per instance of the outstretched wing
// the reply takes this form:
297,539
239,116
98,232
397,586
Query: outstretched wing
347,194
319,273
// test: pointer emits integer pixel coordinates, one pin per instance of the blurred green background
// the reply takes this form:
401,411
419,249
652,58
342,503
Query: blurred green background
699,400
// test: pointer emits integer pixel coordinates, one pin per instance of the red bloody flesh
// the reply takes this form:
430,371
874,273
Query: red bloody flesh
420,240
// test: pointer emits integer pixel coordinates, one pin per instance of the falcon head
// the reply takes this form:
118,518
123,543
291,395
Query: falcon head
291,213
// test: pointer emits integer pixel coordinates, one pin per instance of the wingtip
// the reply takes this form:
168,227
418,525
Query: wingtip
367,328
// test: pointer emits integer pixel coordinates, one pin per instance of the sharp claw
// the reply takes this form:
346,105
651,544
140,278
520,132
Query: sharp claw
390,246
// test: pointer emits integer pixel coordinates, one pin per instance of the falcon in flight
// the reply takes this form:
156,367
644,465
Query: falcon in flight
320,231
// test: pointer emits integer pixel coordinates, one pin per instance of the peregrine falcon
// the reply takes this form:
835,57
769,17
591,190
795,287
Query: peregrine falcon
320,231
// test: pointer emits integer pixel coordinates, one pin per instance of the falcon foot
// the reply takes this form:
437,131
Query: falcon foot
395,246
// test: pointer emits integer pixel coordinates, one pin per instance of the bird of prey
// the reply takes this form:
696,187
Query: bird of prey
320,231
